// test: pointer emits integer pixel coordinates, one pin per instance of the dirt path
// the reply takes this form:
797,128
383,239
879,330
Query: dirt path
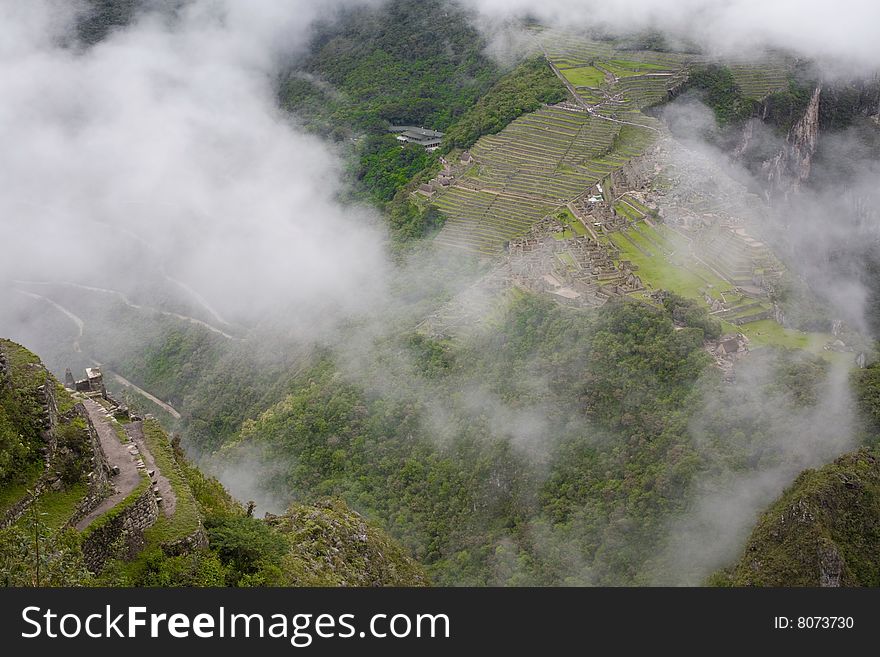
126,301
128,384
591,109
120,379
135,431
76,320
117,454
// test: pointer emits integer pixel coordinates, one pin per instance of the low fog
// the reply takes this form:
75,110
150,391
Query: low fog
843,38
159,157
161,152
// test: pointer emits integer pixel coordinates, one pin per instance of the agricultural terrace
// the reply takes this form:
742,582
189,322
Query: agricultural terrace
759,80
665,262
537,163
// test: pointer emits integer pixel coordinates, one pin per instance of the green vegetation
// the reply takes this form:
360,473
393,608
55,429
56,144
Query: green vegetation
722,94
405,63
102,16
11,493
657,270
402,63
384,166
823,530
523,90
169,363
185,520
130,499
20,414
616,65
782,109
466,506
60,560
866,387
687,312
584,76
760,79
534,165
769,332
326,544
57,507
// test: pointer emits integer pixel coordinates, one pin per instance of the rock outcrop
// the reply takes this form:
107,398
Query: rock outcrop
823,531
790,167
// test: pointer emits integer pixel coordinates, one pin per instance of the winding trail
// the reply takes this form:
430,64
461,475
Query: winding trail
118,377
128,384
195,295
590,109
117,455
135,431
74,318
125,300
62,212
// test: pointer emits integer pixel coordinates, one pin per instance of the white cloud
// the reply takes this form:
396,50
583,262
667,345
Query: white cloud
845,33
170,131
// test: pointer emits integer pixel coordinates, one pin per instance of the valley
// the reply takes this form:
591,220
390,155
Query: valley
605,324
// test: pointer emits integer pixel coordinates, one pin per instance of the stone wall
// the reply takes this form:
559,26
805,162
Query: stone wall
196,541
122,536
18,509
46,398
98,475
635,174
5,379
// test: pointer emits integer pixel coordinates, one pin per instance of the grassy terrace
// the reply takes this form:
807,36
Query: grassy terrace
584,76
669,267
186,519
24,366
27,374
536,164
657,270
57,507
757,81
13,492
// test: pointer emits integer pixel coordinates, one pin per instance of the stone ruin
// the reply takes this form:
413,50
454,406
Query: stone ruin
444,179
93,384
726,350
578,271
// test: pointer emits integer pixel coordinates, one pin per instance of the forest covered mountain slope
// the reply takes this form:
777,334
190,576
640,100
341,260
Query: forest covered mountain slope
65,518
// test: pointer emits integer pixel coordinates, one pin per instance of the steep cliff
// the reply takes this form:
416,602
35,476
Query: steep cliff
823,531
790,167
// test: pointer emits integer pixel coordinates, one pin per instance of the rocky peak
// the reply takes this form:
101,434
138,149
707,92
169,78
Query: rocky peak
791,166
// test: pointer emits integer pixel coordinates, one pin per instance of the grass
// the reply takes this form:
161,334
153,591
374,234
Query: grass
694,279
65,400
659,273
769,333
57,507
626,211
567,259
635,66
119,431
186,518
12,493
584,76
644,209
574,225
619,71
24,366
